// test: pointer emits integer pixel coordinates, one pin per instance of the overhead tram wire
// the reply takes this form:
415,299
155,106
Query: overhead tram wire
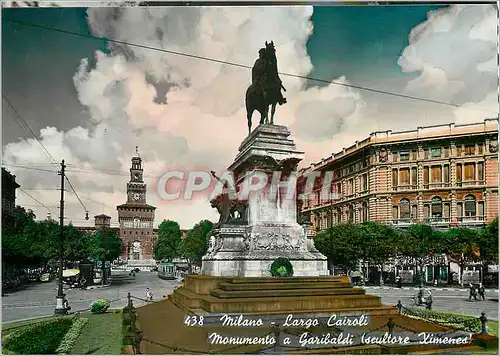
76,194
35,199
208,59
24,125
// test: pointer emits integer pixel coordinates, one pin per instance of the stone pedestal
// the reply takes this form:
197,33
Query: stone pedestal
269,229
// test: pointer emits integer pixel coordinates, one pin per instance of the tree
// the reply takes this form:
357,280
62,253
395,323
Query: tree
195,244
340,245
379,243
168,245
488,242
77,244
106,246
461,246
420,242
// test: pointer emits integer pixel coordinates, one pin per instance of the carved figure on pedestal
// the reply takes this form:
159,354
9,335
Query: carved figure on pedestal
382,155
493,146
266,86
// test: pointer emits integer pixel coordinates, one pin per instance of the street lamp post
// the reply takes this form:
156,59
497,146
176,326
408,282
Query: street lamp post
60,305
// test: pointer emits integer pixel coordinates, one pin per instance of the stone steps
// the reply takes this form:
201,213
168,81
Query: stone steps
229,286
287,280
281,292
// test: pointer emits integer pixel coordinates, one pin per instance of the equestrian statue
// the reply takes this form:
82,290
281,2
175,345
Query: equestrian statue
266,86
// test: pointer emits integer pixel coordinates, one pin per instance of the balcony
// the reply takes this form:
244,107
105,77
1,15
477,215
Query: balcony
471,220
468,183
437,221
435,185
402,222
402,187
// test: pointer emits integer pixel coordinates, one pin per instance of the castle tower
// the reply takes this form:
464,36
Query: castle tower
136,219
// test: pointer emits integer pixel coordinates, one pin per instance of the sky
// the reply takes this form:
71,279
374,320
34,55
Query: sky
91,102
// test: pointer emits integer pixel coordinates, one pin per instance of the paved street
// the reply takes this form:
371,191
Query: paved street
453,300
39,299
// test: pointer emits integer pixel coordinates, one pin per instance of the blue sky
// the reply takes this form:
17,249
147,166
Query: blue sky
361,42
109,106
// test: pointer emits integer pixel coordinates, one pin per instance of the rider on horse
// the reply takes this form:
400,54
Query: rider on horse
264,80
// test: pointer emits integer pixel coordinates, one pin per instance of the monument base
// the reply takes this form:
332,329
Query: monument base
271,295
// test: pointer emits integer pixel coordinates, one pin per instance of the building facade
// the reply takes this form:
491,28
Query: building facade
136,219
9,187
445,176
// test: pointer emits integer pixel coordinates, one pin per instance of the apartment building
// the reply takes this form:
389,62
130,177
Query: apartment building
444,175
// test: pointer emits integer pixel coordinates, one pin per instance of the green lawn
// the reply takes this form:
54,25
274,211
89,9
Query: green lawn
493,328
18,325
102,335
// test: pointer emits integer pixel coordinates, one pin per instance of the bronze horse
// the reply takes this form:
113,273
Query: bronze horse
257,99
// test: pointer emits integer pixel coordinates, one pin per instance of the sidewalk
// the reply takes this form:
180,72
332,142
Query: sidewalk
450,289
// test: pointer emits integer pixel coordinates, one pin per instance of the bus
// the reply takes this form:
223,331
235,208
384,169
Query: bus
166,270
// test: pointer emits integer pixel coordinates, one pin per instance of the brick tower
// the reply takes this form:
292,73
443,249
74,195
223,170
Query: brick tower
136,219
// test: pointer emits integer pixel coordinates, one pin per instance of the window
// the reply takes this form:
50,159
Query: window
459,150
394,156
446,152
404,156
470,205
338,216
427,210
404,176
437,207
414,179
459,210
413,155
446,173
351,213
480,148
339,188
350,186
469,171
436,174
364,182
470,150
405,208
459,172
364,212
480,171
447,210
426,175
480,206
426,153
317,199
394,177
395,215
435,152
414,211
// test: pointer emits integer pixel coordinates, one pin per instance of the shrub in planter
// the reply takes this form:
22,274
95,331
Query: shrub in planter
42,338
281,267
99,306
70,338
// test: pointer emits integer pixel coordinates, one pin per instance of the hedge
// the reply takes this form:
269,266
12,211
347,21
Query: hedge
42,338
70,338
457,321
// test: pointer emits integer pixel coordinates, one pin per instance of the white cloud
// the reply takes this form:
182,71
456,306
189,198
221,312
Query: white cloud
203,121
454,56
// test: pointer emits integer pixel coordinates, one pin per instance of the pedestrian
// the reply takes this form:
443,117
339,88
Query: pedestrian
420,296
481,291
435,283
149,295
472,292
399,281
428,302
